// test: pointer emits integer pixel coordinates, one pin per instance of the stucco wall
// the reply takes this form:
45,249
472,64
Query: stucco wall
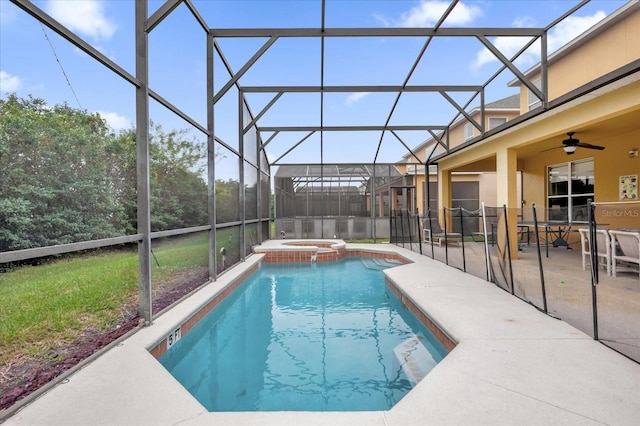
609,165
613,48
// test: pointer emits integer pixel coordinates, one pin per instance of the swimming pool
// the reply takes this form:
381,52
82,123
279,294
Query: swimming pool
306,337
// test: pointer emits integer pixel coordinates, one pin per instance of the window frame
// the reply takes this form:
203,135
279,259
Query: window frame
468,131
532,100
504,120
570,195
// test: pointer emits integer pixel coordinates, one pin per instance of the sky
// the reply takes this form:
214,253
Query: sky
36,61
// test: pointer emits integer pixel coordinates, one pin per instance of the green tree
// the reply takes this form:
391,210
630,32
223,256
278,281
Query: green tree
227,201
178,187
66,178
121,158
178,192
55,187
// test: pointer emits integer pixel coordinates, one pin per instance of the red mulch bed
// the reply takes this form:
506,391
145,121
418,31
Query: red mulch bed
26,375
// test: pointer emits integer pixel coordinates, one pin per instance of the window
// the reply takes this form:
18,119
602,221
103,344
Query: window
570,185
468,131
465,194
532,100
496,121
434,149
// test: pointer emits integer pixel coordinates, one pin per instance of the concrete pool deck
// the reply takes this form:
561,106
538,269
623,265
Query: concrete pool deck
512,365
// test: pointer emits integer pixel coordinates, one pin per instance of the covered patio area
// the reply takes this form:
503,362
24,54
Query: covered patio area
556,284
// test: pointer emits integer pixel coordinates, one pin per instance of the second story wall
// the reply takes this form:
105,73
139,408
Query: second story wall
459,135
604,49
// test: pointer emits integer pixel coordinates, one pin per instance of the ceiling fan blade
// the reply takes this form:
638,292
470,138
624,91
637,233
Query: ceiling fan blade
588,145
551,149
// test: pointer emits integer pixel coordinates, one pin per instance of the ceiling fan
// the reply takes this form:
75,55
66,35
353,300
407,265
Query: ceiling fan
570,145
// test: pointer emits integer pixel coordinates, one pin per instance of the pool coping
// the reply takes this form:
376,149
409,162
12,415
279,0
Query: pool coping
512,364
294,251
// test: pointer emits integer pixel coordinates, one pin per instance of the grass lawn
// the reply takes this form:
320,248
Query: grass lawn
178,254
44,306
41,306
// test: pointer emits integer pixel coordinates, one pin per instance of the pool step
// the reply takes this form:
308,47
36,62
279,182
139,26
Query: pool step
414,359
387,263
379,263
369,263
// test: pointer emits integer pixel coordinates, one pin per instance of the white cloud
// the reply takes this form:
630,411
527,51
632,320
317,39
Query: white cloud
572,27
8,82
508,46
86,17
383,19
524,21
559,35
355,97
427,14
115,121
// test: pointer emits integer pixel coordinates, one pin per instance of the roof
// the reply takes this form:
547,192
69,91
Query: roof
510,103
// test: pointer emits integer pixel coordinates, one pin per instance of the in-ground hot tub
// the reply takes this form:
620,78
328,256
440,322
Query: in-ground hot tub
303,250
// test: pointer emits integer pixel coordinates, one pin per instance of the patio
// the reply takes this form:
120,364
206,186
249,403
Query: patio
567,286
512,365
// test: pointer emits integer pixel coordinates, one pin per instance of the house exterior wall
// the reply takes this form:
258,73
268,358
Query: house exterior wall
619,104
486,181
457,131
612,48
457,134
609,116
609,165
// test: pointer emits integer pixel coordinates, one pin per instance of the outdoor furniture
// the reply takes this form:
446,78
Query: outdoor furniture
559,231
522,231
603,241
625,247
437,235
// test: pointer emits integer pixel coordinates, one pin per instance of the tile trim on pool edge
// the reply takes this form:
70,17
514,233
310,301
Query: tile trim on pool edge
160,347
435,329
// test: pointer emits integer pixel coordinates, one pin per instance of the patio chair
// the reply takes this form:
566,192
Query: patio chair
625,247
437,235
603,241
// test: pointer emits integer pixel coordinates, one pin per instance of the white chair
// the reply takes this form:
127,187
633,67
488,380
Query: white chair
603,240
625,247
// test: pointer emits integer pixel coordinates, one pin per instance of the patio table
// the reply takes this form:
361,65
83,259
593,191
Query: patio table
559,231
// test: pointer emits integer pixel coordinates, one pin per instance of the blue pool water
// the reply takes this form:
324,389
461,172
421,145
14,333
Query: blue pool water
306,337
